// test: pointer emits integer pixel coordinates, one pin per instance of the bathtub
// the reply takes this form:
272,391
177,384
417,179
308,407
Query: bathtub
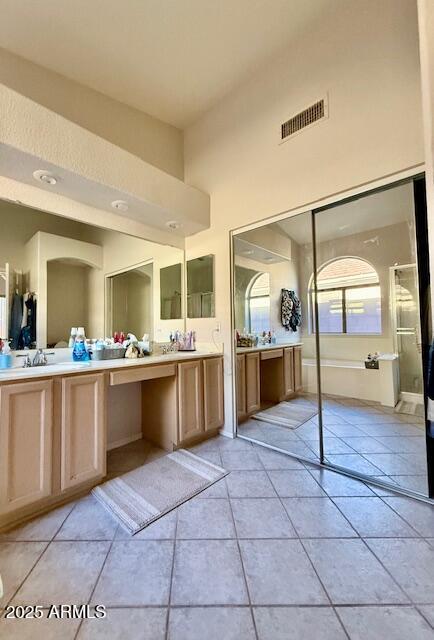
349,378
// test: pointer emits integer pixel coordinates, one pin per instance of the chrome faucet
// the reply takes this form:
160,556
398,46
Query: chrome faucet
27,361
40,358
171,347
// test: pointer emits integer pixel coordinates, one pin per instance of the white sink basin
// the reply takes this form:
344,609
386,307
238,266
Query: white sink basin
58,366
44,369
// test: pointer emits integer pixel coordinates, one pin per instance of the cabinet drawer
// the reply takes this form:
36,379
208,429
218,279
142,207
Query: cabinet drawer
269,355
142,373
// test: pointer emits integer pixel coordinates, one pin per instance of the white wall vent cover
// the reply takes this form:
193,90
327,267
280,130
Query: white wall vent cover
306,118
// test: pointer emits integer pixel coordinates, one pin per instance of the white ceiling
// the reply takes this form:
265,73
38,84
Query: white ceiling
173,59
254,252
365,214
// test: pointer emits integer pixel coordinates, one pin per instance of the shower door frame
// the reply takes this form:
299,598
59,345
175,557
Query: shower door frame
393,310
417,178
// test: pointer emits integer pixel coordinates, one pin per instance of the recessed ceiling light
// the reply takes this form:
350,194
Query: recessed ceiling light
173,224
45,176
120,205
248,252
269,259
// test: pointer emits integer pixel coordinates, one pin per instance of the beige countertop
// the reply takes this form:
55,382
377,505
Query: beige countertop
68,367
268,347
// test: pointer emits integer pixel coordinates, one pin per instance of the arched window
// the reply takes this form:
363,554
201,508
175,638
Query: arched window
349,297
258,303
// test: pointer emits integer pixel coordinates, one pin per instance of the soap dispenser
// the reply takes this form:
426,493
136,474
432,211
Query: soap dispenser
79,351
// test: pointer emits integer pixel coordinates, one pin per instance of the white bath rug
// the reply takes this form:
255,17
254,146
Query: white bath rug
143,495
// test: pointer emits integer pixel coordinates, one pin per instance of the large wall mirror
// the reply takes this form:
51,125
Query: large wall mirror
56,273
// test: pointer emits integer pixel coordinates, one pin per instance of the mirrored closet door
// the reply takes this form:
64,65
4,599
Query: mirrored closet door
277,395
370,337
332,337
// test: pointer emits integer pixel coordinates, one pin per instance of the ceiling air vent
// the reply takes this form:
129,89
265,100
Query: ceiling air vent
305,118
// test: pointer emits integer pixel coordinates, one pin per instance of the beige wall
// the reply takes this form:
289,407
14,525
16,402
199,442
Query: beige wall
19,224
367,61
150,139
67,300
426,44
132,303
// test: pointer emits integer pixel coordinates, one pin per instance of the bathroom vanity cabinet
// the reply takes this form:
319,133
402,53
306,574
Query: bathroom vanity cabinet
53,429
52,441
267,374
26,442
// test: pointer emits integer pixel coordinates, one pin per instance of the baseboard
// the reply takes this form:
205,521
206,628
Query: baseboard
227,434
123,441
408,396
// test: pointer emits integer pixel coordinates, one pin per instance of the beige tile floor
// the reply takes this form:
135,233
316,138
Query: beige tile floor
363,437
277,550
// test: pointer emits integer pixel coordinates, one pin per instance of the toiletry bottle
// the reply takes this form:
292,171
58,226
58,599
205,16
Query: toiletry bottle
5,356
80,352
72,337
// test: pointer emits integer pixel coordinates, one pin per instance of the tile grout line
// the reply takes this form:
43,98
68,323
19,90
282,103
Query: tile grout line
97,579
244,570
48,542
379,536
410,601
172,571
341,622
418,534
27,574
302,546
421,613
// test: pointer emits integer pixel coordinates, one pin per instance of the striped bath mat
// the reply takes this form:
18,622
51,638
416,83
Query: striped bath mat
139,497
287,414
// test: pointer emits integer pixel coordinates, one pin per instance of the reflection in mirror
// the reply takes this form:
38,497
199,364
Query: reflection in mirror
129,301
200,287
67,299
56,274
276,386
370,337
171,292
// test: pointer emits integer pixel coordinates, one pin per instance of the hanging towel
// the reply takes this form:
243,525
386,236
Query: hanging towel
16,318
290,310
24,320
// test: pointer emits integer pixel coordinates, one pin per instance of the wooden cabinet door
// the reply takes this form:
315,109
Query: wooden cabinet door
26,435
253,383
241,387
213,407
190,399
288,371
298,380
83,454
